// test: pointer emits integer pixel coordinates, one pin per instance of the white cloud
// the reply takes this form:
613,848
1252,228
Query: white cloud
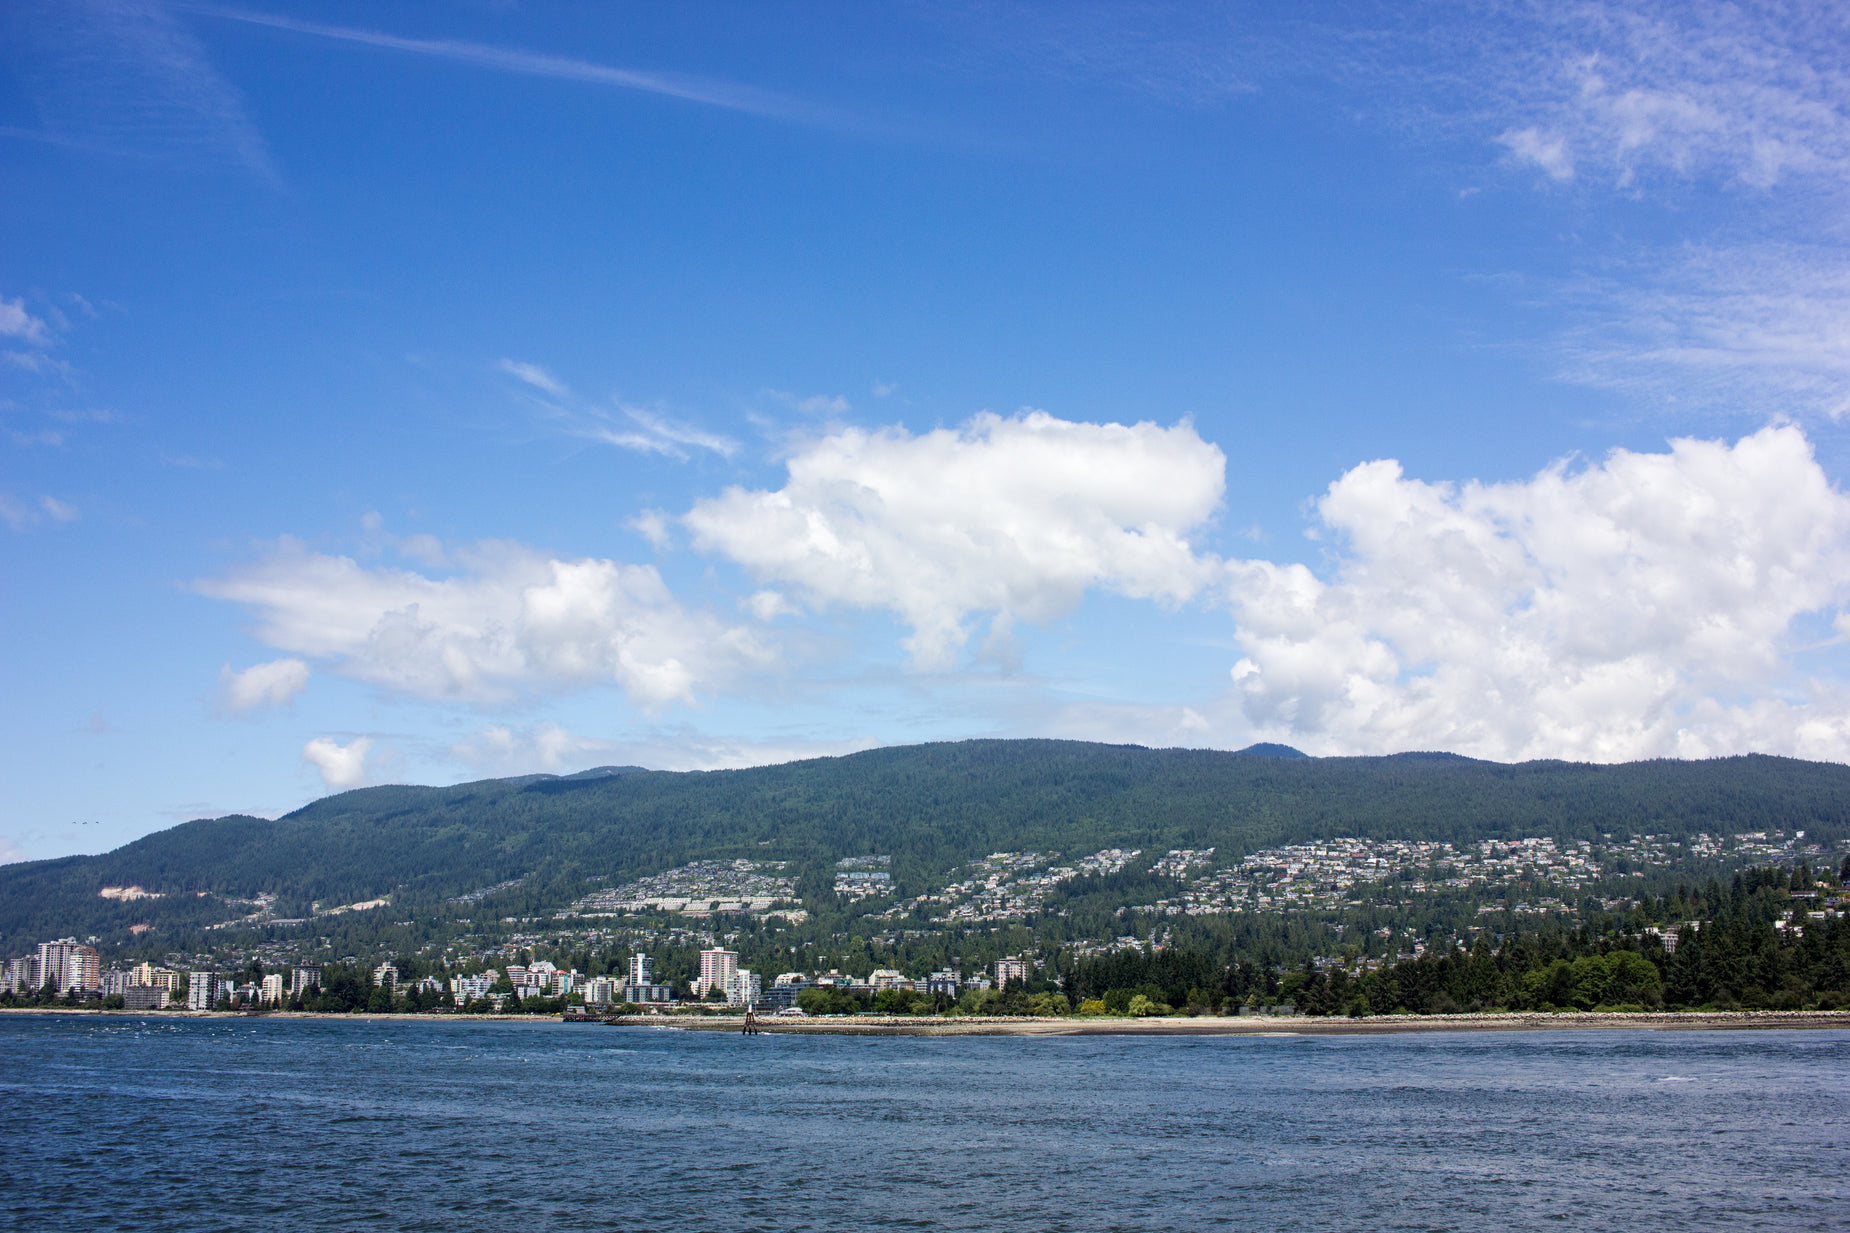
1645,606
18,516
514,621
341,766
536,377
550,749
58,511
1764,323
499,750
1015,518
16,322
631,427
1751,94
271,684
654,433
820,404
128,79
710,92
1545,150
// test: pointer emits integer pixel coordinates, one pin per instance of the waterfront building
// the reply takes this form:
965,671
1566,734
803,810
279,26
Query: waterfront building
1012,969
145,997
303,977
471,988
67,964
603,990
743,988
783,993
642,969
153,977
647,995
945,982
270,992
115,983
385,976
201,990
22,975
883,979
716,968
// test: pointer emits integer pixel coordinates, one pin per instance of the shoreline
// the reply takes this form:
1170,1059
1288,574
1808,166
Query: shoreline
1205,1025
1257,1025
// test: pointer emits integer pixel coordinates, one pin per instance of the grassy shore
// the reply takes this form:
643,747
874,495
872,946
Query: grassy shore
1206,1025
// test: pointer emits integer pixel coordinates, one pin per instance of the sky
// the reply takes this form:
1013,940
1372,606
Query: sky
422,393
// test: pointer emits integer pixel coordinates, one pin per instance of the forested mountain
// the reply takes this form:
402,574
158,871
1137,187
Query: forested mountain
930,807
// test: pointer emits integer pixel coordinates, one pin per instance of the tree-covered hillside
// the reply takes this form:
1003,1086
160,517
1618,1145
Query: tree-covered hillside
930,807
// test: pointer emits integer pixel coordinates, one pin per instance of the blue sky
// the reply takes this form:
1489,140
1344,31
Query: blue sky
426,392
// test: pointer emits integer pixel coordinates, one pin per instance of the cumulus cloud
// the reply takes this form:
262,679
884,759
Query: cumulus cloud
512,621
341,766
1644,606
1012,518
272,684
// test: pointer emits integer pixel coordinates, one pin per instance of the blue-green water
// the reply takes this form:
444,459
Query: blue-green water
444,1125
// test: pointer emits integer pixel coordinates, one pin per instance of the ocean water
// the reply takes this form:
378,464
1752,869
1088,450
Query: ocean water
308,1125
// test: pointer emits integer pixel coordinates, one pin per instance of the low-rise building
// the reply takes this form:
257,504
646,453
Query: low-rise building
471,988
944,982
144,997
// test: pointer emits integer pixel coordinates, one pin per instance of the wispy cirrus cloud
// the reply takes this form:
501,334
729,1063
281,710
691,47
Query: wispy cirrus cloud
19,515
1764,325
731,96
123,77
623,424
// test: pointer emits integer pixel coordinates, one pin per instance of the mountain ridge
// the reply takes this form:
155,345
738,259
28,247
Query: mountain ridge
931,807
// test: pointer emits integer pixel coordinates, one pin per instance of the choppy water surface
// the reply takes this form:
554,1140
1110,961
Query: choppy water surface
191,1124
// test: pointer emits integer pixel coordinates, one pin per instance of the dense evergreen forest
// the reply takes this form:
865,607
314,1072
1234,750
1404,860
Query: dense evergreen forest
1751,946
931,807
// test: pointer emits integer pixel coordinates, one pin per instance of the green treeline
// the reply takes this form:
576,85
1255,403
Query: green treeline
1727,952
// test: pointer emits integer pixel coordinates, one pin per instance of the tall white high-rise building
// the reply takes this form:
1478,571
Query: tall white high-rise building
642,969
272,990
716,968
743,988
201,990
67,964
1012,969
